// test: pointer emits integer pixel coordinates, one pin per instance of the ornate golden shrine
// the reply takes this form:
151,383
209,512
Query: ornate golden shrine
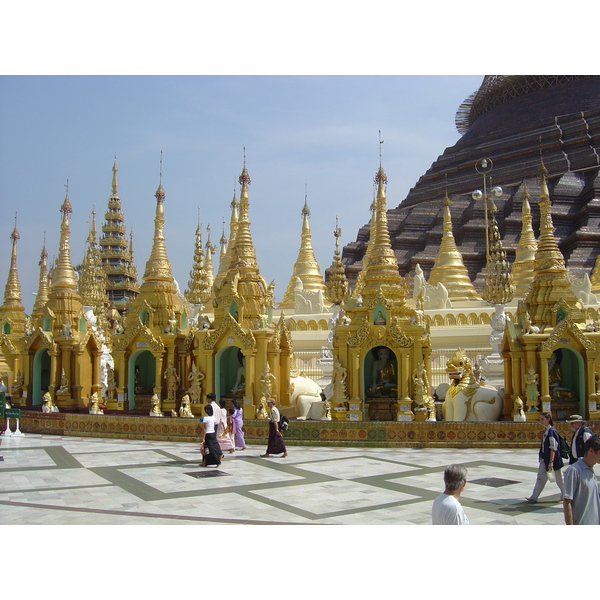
551,355
379,341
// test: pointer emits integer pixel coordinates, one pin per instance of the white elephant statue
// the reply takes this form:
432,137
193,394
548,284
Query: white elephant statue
304,392
466,399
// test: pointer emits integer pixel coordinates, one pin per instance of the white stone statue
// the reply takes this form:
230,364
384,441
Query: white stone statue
304,392
434,296
465,399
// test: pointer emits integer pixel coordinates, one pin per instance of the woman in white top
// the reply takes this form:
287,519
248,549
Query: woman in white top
214,455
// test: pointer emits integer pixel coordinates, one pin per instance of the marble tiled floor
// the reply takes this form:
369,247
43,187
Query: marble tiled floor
54,480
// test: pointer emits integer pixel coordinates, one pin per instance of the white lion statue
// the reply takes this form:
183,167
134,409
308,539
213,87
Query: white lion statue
304,392
466,399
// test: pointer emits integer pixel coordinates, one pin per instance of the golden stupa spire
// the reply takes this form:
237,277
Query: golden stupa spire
243,280
41,297
498,288
522,268
92,279
210,250
12,291
225,257
337,284
198,291
306,267
448,267
63,274
381,272
158,267
550,283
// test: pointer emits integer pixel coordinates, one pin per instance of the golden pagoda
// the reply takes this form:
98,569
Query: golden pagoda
41,298
210,251
12,319
522,268
306,268
380,341
448,267
241,342
226,249
551,357
199,288
116,252
92,279
337,283
148,354
62,354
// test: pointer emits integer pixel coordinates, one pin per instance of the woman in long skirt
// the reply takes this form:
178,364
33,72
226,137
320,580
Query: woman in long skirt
214,455
223,437
240,442
275,444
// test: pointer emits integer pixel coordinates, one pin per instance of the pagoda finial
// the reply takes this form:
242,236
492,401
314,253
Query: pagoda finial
63,274
115,183
12,291
337,284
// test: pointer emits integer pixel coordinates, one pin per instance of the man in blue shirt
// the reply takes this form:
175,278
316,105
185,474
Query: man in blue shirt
581,503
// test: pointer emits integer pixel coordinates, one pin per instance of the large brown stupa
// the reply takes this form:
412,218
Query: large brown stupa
512,120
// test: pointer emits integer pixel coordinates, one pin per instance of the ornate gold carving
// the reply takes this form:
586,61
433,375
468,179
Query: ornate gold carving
138,331
566,326
245,339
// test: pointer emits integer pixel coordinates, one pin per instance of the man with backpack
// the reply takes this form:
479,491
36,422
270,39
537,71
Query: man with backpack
581,434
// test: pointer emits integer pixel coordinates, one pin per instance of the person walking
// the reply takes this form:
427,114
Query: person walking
212,454
223,430
581,503
275,445
581,434
446,509
238,417
551,461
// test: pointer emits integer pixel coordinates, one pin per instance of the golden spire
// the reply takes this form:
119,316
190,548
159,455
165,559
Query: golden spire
522,268
210,250
448,267
225,258
381,271
41,297
92,279
12,291
358,286
63,274
158,267
498,288
337,284
243,256
550,283
117,256
306,267
198,291
243,278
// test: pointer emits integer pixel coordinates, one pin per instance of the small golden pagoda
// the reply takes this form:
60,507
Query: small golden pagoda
226,249
12,319
229,357
448,267
199,288
306,267
148,354
523,266
337,283
116,252
92,279
62,353
551,357
379,341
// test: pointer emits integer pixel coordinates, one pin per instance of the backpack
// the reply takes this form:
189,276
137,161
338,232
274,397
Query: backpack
564,449
284,423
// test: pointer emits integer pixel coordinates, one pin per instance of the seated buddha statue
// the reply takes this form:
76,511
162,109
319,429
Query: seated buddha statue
384,373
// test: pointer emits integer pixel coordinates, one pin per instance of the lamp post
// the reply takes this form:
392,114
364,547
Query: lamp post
498,288
483,167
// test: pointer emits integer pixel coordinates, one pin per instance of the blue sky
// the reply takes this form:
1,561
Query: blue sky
313,133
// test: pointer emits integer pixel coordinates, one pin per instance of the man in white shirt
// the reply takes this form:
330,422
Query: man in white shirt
446,509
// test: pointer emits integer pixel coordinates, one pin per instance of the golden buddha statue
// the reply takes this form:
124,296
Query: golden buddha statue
384,379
